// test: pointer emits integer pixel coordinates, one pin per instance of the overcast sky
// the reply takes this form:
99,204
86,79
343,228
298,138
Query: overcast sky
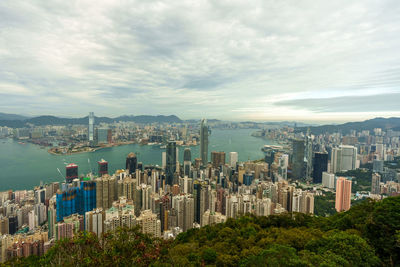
226,59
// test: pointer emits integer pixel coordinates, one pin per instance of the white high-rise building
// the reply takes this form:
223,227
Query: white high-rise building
343,158
328,180
233,159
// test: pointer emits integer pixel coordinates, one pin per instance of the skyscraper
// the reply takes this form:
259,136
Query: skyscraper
103,167
187,161
320,166
91,129
298,159
233,159
131,163
376,184
204,142
343,194
71,172
344,158
217,158
171,162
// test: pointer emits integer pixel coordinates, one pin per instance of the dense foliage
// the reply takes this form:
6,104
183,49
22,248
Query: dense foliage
324,205
366,235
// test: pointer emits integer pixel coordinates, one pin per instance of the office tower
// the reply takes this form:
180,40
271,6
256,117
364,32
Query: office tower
102,135
40,196
131,163
308,156
298,171
164,159
187,154
91,129
149,224
94,221
376,184
103,167
204,142
377,165
171,162
217,159
328,180
320,166
343,194
248,178
233,159
105,191
71,172
349,157
344,158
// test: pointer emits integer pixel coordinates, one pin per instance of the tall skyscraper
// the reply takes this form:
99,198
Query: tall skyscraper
131,163
217,158
103,167
343,158
91,129
376,184
343,194
233,159
320,166
298,171
171,162
187,162
204,142
71,172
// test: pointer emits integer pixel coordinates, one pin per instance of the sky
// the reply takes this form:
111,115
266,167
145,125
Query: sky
267,60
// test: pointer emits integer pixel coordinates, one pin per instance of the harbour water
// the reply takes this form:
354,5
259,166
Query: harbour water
23,166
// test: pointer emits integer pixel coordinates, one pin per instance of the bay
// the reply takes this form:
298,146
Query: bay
23,166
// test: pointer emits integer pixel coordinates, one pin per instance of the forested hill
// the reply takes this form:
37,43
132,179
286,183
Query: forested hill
384,123
366,235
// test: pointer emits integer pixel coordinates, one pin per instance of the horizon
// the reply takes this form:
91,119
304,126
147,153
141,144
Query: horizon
187,119
236,61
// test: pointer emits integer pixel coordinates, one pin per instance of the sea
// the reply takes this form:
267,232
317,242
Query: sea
24,166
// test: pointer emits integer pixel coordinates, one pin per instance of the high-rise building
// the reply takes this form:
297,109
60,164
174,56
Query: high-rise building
343,158
377,165
131,163
94,221
102,135
204,142
217,158
233,159
71,172
343,194
376,184
308,155
328,180
171,162
298,170
320,166
103,167
149,224
187,162
105,191
91,129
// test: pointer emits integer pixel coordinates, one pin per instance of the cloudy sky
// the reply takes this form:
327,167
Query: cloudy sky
236,60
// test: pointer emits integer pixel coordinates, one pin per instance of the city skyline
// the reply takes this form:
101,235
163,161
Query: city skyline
332,62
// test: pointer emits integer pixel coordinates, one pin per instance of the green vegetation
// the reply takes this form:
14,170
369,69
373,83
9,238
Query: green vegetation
366,235
361,179
325,205
395,164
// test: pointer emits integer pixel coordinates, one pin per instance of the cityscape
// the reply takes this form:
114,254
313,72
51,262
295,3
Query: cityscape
200,133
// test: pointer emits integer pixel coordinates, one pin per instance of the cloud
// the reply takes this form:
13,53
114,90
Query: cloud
222,59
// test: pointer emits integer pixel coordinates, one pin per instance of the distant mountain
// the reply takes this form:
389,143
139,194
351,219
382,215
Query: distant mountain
384,123
10,117
52,120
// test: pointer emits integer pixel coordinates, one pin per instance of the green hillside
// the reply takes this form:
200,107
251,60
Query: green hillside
367,235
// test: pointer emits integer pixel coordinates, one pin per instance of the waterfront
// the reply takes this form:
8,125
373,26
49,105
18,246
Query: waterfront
25,165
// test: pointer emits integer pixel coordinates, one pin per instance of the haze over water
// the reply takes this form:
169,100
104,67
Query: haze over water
24,166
